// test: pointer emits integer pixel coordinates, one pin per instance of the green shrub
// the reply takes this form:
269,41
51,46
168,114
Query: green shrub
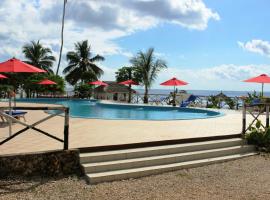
4,90
259,136
83,91
230,102
213,102
252,96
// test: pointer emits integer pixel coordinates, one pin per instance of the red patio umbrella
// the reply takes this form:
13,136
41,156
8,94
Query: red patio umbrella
2,76
14,65
98,83
174,82
263,78
47,82
129,83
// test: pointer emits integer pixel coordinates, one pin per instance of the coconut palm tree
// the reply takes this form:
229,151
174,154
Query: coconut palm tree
81,64
62,36
38,55
149,67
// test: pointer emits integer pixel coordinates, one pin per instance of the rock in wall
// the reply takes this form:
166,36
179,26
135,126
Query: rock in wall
51,164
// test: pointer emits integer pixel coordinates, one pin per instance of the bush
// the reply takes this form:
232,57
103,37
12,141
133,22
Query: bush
218,101
230,102
31,87
252,96
4,90
213,102
83,91
259,136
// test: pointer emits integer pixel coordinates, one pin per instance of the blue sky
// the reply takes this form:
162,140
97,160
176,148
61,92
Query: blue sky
213,46
210,44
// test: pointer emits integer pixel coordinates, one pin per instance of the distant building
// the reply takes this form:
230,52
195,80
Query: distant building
113,91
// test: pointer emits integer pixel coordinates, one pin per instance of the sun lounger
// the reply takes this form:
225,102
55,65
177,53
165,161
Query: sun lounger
189,100
17,114
255,101
180,97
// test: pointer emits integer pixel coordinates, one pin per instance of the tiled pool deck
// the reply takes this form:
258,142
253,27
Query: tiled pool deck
96,132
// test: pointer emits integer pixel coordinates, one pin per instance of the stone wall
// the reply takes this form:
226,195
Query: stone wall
51,164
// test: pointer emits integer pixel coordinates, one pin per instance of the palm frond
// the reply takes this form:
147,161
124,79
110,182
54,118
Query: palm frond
38,55
69,68
97,58
81,66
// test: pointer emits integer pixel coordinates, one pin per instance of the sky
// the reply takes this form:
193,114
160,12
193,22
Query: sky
212,45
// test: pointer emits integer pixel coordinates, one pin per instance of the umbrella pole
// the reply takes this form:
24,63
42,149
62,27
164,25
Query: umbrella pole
129,93
10,113
14,99
174,104
262,89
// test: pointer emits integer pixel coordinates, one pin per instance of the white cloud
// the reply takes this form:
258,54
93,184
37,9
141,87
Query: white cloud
192,14
256,46
222,77
99,21
109,73
133,15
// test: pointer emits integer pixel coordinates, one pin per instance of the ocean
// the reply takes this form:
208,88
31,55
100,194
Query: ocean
202,92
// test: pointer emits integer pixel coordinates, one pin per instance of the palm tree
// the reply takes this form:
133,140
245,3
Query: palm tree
149,67
38,55
81,64
62,36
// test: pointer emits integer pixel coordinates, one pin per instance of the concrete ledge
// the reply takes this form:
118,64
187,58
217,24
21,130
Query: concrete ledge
156,143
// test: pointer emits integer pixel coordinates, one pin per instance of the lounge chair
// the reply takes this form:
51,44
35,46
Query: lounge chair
255,101
180,97
1,117
189,100
17,114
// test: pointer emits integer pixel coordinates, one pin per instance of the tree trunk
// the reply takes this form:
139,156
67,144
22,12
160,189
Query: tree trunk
129,87
27,93
129,93
145,98
62,37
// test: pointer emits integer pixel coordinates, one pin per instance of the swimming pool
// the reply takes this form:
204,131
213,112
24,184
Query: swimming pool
98,110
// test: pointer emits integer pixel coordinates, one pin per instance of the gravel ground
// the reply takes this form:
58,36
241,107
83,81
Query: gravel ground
247,178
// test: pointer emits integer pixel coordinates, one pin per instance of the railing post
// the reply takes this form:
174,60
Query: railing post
267,116
244,119
66,128
9,120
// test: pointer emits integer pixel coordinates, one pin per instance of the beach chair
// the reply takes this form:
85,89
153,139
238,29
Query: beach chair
255,101
17,114
1,117
180,97
189,100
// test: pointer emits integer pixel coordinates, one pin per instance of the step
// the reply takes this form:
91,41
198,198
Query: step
164,159
157,150
94,178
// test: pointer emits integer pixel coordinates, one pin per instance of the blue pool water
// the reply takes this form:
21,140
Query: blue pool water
95,109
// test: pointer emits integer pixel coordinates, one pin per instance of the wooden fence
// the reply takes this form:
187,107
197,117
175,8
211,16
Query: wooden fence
201,101
255,110
58,110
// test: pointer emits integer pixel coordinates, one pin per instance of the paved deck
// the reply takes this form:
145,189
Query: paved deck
96,132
